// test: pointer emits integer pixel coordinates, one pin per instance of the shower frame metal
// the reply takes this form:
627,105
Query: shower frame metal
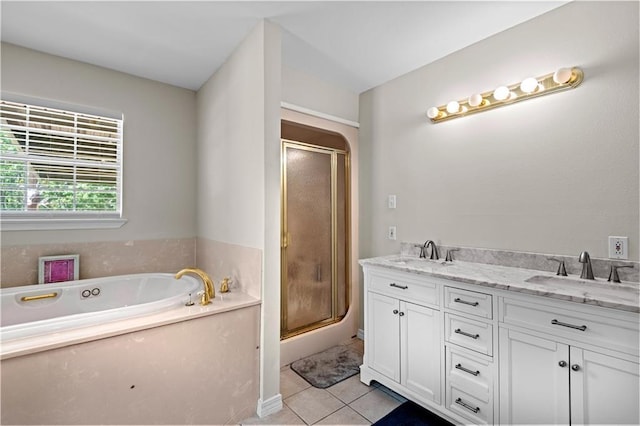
285,237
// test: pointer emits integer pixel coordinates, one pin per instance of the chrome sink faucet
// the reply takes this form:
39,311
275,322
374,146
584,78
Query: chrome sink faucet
587,272
434,250
613,273
562,270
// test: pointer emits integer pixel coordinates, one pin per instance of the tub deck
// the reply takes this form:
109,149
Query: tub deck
221,303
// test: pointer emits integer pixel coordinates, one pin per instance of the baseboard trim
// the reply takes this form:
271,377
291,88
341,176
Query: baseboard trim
360,334
270,406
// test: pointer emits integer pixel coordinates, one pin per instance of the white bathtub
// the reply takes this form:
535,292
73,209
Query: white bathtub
85,303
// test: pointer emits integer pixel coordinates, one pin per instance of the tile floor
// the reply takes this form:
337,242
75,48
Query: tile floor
349,402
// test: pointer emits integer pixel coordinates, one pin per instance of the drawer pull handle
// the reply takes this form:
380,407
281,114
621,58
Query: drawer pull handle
467,406
564,324
466,370
403,287
457,299
464,333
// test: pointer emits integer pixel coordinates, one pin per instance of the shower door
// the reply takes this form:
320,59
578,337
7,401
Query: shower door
314,238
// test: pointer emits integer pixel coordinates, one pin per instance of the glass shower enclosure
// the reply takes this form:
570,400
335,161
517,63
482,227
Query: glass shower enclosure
315,236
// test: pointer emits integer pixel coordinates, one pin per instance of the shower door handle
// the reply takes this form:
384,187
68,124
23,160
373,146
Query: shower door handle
319,272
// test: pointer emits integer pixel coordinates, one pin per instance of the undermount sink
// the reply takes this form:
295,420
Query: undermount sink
559,280
564,281
406,260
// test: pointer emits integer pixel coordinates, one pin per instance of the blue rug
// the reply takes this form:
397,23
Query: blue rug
411,414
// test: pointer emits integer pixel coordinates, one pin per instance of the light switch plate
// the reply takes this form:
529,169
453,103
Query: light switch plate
392,233
618,247
392,201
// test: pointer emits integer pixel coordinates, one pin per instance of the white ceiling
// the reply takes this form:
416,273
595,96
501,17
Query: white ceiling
355,45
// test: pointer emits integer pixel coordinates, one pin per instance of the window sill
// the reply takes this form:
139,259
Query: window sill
41,224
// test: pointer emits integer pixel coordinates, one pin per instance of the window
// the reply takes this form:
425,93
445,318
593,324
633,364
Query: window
58,167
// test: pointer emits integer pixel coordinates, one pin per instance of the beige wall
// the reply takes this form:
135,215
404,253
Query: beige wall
308,91
158,148
556,174
158,173
238,174
270,320
230,149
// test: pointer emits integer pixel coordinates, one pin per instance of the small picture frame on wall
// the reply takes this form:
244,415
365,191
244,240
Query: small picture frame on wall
55,269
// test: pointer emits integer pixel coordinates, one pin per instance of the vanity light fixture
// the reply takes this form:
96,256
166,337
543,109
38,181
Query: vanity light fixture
529,85
476,100
562,79
453,107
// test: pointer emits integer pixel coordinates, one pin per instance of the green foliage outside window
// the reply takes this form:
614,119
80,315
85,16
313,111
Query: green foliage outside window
48,193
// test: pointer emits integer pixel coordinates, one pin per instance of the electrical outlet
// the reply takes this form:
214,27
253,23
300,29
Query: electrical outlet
618,247
392,233
392,201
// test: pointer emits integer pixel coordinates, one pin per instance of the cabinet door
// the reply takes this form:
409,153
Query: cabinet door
534,380
420,350
604,389
383,335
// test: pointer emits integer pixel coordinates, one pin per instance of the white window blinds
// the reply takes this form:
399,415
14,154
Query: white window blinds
58,163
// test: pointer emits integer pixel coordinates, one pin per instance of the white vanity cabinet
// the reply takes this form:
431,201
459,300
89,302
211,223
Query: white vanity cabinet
482,355
469,372
564,365
403,334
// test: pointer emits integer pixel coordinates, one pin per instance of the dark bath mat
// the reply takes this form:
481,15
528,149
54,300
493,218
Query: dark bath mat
411,414
327,368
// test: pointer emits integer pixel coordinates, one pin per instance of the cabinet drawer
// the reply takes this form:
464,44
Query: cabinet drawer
470,302
470,374
404,286
593,328
471,334
468,406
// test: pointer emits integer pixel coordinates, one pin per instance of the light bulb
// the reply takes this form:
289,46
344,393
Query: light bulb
475,100
563,75
501,93
529,85
433,112
453,107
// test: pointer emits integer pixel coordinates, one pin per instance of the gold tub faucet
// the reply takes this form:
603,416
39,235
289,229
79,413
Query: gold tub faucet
209,292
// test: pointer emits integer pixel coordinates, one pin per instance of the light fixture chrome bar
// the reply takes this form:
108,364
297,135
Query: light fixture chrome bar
563,79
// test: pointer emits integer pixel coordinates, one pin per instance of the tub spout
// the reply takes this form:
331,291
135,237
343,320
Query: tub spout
209,292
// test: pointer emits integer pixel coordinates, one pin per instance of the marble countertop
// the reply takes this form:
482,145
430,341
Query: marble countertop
623,296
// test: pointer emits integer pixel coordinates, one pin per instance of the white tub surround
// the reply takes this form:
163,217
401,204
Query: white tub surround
489,344
200,371
222,303
69,369
19,263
